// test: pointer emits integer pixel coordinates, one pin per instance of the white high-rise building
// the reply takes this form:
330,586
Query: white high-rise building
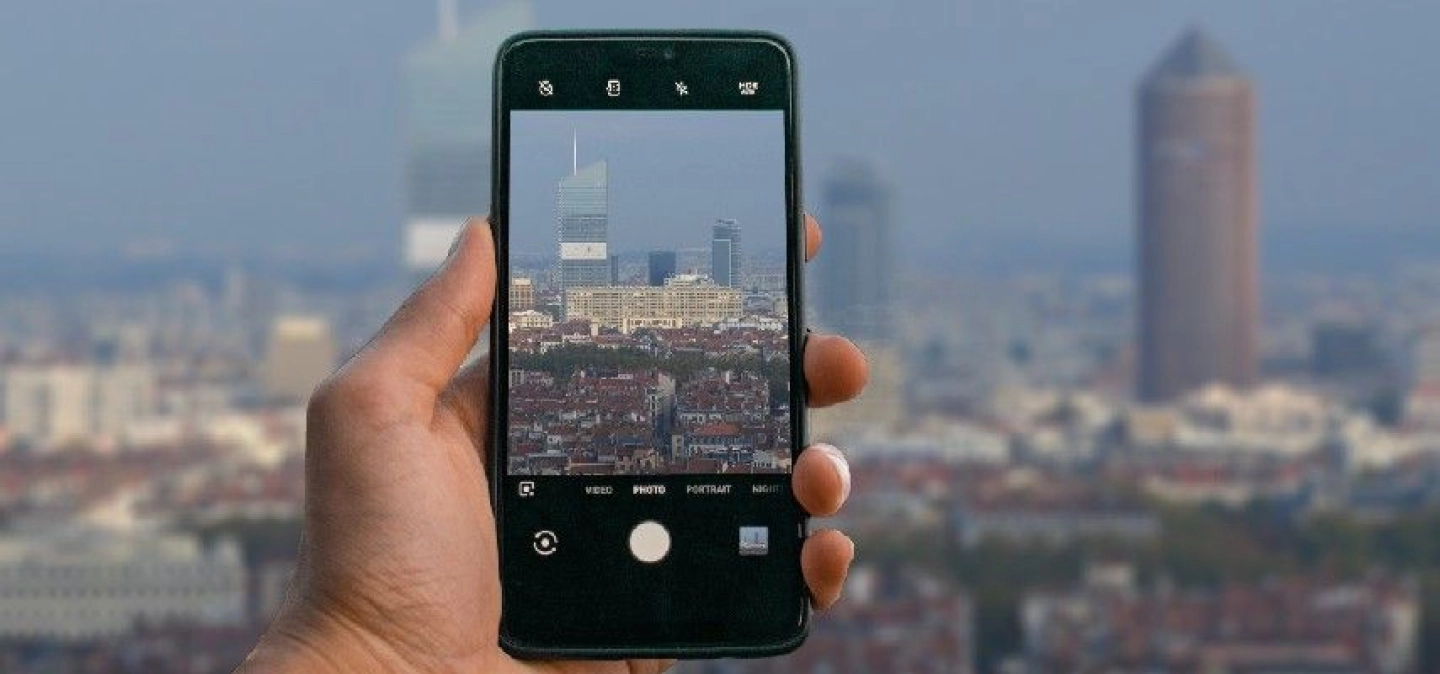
300,355
91,584
54,404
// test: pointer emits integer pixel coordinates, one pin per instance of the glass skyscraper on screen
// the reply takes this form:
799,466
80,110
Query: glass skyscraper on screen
582,214
725,253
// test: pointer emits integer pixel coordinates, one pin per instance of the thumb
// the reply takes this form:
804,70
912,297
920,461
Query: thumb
432,332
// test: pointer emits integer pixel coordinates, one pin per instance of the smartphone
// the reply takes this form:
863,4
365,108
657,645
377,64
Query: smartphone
647,394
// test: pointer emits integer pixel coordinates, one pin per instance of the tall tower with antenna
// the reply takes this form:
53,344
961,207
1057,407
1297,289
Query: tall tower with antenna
447,127
582,218
448,18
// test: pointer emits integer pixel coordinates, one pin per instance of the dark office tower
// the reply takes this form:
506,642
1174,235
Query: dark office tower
1198,273
725,254
852,279
614,270
582,205
662,266
1345,347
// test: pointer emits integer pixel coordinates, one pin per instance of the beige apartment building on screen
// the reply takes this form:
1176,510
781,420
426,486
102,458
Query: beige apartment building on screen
682,302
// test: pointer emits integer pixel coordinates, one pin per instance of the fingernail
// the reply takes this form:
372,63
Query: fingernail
459,236
842,467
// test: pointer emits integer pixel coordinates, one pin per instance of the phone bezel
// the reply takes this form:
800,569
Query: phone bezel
498,363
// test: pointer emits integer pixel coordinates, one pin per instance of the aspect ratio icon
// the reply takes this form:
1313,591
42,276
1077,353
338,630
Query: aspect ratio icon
612,88
527,489
547,88
546,542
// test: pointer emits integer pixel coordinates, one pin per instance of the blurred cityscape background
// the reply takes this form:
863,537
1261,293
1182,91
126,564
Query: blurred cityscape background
1149,293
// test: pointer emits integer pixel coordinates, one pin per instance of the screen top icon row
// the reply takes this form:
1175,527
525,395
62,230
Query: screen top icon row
613,88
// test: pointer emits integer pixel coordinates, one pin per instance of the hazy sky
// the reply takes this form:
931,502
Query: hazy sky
664,169
1004,126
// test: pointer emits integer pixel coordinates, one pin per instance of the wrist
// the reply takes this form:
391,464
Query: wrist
311,643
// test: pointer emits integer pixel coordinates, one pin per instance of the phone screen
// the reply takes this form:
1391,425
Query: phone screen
647,326
647,346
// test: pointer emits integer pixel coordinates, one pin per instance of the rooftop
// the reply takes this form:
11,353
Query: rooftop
1194,55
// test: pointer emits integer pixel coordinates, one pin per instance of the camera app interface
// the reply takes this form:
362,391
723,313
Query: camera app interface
648,324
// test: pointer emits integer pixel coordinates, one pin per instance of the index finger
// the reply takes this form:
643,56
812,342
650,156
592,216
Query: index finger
432,332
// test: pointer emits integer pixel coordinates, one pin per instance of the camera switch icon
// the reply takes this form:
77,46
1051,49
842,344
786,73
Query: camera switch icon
546,543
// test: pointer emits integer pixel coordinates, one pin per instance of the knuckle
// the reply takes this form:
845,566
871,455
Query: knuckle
327,397
346,393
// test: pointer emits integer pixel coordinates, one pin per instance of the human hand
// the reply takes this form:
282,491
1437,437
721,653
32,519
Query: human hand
398,568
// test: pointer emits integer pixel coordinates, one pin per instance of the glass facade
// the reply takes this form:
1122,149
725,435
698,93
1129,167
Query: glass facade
725,253
582,209
853,277
662,266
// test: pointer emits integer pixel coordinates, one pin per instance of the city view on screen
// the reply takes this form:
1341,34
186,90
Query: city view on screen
648,322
